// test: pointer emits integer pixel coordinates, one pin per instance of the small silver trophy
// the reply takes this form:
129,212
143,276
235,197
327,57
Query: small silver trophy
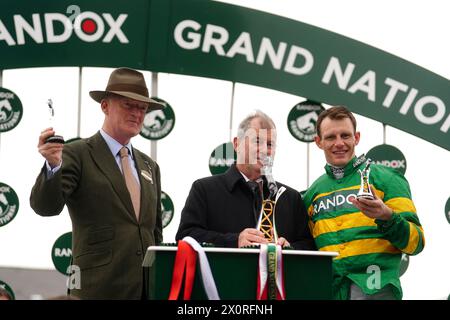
54,138
364,189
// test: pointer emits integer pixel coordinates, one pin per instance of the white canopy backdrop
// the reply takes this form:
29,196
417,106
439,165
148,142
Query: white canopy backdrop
414,30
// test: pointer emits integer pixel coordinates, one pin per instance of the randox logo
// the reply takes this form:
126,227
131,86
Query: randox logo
396,164
9,204
88,26
10,110
158,123
167,209
62,253
222,158
388,156
302,120
335,201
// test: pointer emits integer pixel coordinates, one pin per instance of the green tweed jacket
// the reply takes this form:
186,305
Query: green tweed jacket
108,243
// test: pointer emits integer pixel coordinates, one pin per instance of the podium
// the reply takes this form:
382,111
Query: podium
308,275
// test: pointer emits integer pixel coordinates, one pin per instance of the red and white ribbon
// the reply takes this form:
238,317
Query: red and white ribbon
183,268
186,259
207,277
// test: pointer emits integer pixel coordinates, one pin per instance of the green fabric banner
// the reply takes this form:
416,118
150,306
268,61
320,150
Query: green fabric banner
217,40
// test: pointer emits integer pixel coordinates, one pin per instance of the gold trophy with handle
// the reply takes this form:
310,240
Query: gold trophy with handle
266,221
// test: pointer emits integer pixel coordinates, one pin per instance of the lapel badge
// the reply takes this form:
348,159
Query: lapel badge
147,175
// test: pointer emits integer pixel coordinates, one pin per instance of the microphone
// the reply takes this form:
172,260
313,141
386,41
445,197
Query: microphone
266,171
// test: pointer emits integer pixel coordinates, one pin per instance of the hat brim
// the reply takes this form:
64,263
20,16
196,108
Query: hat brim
153,104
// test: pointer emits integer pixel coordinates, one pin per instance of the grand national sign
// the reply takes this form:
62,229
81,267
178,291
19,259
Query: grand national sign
217,40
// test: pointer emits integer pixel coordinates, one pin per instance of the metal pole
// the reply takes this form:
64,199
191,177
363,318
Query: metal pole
80,81
384,133
231,111
153,143
307,165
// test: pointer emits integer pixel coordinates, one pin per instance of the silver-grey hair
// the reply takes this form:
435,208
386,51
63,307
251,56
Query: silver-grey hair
245,124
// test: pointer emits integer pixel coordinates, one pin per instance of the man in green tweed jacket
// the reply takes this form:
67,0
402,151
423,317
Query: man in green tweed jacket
370,235
111,226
